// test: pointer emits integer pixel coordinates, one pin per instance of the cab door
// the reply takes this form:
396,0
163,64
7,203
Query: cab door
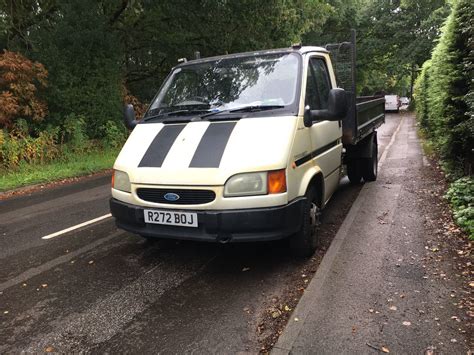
325,135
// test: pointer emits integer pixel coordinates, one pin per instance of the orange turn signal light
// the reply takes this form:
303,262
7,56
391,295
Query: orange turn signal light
277,181
113,178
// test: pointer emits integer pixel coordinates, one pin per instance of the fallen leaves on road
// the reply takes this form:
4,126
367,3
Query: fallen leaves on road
406,323
91,262
245,269
381,217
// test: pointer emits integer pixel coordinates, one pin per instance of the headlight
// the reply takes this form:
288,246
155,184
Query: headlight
121,181
246,185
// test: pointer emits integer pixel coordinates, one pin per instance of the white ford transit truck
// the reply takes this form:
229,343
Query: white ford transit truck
245,147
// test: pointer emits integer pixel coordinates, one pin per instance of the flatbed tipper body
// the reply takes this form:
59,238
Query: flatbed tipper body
244,147
369,115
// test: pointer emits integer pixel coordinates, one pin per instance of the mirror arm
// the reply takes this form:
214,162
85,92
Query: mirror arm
321,114
129,117
308,117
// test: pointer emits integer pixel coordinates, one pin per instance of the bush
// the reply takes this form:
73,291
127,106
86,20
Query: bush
444,91
74,132
19,147
461,196
114,134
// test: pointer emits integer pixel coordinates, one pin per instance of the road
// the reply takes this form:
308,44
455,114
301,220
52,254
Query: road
100,289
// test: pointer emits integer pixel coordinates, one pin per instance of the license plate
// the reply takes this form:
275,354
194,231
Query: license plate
172,218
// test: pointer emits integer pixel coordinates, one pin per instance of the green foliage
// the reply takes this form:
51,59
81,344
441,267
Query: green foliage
114,134
396,38
421,98
74,132
344,15
461,196
444,91
18,147
83,57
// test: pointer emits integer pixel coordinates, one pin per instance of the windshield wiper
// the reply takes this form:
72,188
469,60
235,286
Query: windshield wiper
249,108
174,113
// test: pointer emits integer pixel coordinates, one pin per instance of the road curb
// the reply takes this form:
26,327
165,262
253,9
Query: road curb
312,293
306,304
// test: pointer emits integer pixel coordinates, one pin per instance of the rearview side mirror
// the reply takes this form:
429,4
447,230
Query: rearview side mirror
129,116
337,107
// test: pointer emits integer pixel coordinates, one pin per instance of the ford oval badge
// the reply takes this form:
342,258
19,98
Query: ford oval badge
171,197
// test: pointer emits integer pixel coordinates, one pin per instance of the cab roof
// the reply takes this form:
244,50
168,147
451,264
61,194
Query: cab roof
294,49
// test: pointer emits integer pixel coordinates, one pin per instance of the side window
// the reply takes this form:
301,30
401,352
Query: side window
311,97
318,97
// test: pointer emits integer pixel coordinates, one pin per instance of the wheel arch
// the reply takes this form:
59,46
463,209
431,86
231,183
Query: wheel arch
314,177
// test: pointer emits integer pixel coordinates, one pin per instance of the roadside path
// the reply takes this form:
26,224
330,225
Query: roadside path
374,290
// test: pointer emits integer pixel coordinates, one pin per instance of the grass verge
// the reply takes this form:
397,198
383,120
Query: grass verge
71,165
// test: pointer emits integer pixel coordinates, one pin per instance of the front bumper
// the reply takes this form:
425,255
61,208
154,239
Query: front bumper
243,225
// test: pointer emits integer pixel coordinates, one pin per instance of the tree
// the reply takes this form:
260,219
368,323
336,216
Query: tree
395,38
20,79
83,57
19,18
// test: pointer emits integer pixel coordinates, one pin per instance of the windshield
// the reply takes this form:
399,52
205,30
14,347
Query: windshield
224,84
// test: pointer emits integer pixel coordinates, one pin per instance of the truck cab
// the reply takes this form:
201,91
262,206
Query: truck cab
236,148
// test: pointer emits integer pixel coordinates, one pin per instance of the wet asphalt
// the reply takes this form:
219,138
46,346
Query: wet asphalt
100,289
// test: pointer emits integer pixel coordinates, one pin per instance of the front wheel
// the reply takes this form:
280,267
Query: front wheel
304,242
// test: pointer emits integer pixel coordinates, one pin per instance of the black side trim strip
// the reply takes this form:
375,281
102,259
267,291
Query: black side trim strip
212,145
161,145
316,152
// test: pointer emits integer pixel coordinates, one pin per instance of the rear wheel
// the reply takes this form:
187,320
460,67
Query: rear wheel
369,165
354,171
304,242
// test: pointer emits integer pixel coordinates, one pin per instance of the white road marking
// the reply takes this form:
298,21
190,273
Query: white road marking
385,152
77,226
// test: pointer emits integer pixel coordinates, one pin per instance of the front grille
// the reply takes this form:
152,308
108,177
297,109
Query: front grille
186,197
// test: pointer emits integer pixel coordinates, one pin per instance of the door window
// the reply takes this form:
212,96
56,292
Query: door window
317,85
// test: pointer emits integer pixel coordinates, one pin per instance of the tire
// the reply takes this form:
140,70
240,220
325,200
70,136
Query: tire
305,241
369,166
354,171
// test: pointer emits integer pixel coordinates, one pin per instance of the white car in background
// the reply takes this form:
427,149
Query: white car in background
405,101
392,103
